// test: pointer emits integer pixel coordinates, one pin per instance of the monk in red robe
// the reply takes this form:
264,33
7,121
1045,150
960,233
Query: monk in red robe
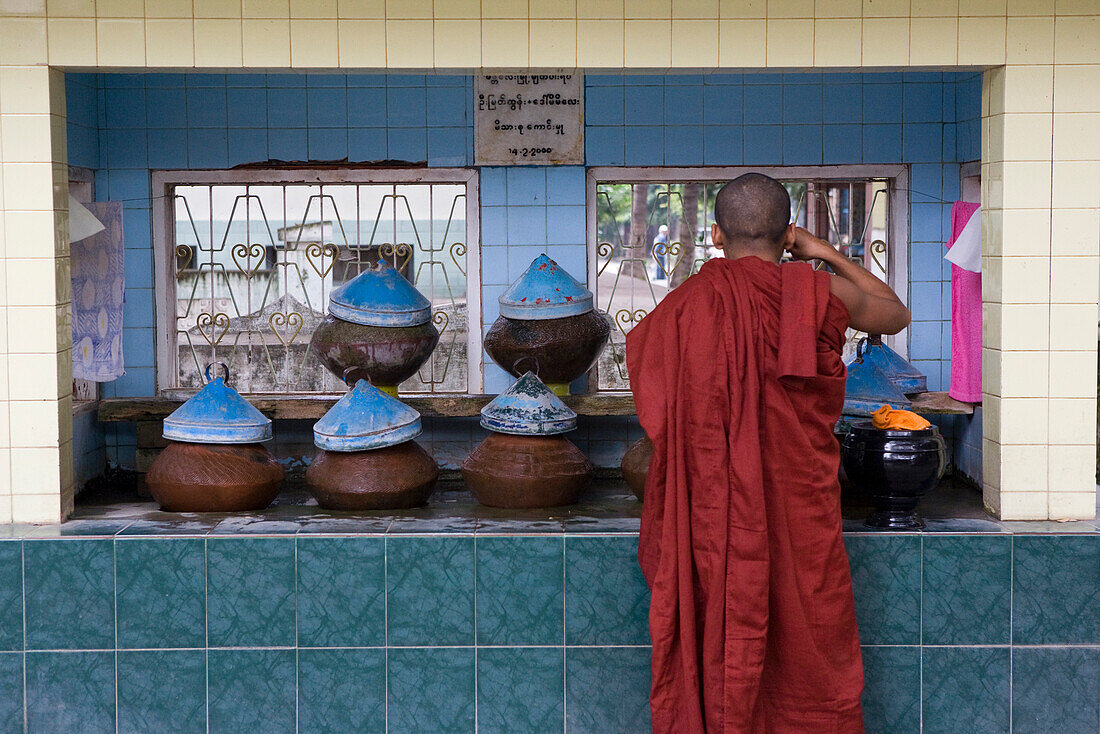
738,380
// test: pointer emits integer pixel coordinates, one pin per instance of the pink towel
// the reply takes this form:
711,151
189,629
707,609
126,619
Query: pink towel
966,318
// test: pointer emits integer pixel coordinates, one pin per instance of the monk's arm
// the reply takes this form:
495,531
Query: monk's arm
872,305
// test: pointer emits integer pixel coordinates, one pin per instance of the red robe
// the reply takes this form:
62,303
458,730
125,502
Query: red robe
738,380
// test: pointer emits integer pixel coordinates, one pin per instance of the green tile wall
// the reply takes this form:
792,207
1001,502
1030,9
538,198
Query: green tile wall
311,632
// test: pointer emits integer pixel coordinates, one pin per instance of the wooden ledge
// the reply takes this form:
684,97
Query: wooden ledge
312,407
939,403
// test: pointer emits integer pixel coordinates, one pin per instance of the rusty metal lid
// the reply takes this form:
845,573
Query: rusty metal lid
366,418
217,414
380,296
528,408
545,291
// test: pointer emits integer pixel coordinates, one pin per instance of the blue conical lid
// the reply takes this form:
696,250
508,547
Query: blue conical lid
380,297
528,408
868,389
545,291
905,376
217,414
365,418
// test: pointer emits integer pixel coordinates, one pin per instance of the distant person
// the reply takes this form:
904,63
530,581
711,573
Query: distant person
660,251
738,380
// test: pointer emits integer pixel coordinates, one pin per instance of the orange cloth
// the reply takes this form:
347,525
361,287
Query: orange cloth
888,419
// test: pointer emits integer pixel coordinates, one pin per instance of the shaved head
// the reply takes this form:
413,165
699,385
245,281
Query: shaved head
753,209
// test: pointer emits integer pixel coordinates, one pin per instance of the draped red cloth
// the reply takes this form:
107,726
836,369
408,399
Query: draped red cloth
738,380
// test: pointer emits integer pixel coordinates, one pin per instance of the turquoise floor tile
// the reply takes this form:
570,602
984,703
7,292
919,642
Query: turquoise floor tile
1055,690
1056,589
70,594
161,592
891,689
11,595
965,689
431,690
606,598
520,690
161,691
341,690
341,592
11,691
967,587
70,691
250,592
607,689
886,583
520,591
430,587
251,691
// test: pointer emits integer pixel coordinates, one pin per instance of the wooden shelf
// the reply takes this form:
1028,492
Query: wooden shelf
312,407
939,403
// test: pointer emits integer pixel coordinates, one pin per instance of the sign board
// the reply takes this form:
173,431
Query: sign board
528,118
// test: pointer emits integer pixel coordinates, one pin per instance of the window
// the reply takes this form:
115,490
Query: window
247,259
649,229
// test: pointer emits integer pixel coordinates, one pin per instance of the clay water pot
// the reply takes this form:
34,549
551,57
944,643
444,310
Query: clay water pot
526,471
389,478
635,465
895,469
385,355
559,350
197,477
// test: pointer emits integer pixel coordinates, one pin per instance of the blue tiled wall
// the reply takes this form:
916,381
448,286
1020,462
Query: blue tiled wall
515,633
126,124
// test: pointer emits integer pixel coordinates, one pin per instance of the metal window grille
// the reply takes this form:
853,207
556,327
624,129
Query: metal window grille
250,259
652,231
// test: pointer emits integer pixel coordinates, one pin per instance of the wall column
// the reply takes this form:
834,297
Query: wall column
1041,271
36,458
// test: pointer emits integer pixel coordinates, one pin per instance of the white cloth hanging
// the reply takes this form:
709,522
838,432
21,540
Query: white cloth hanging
966,252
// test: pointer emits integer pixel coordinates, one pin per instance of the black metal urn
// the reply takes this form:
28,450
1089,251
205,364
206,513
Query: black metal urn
895,469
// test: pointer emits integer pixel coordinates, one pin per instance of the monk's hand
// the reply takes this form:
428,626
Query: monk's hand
808,247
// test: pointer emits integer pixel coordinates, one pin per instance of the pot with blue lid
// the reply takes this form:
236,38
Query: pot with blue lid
526,461
547,319
379,325
368,459
215,460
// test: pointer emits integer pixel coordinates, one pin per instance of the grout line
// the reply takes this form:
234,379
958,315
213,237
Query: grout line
920,638
23,581
114,612
564,653
206,625
297,661
475,634
386,627
1011,635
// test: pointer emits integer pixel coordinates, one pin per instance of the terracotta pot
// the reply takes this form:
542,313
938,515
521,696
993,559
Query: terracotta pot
526,471
384,355
206,477
635,465
895,469
390,478
557,350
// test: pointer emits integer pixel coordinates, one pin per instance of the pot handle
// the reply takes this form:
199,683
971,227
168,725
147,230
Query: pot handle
349,376
225,370
516,364
859,349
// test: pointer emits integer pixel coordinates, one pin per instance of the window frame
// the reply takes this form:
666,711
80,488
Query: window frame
164,245
897,193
